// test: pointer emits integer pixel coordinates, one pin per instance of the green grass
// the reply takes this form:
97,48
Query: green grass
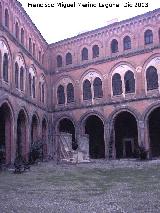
133,189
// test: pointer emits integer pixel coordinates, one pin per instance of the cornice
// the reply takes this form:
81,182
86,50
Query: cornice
15,41
30,21
102,30
104,104
107,59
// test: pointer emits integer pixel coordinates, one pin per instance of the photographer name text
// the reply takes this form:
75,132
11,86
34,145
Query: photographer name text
89,5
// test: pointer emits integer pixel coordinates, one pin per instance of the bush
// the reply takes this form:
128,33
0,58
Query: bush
143,153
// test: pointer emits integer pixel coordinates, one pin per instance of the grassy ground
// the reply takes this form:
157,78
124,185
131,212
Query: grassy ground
93,188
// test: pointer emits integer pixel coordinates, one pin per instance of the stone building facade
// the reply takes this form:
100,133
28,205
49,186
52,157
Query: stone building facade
104,83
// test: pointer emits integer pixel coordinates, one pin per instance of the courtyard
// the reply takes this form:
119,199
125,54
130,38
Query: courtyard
101,186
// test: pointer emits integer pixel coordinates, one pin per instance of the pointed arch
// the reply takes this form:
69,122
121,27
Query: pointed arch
59,61
5,67
22,36
84,54
114,46
97,86
16,75
129,82
68,58
70,93
6,19
152,78
117,84
22,79
60,95
148,37
95,51
87,93
127,43
17,30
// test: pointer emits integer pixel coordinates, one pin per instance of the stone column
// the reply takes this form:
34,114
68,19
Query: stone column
11,137
141,134
109,142
77,94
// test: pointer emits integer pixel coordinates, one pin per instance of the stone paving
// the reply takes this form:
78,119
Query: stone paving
101,186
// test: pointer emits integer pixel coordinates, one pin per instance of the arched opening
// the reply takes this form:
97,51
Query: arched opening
114,46
148,37
21,135
97,86
22,36
60,95
129,82
59,61
5,67
84,54
126,135
70,93
152,78
17,30
87,93
95,51
117,84
95,129
34,129
6,22
34,87
67,126
30,45
127,43
5,134
68,58
21,79
154,132
16,75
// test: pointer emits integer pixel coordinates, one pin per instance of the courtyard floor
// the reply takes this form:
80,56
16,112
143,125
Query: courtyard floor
127,186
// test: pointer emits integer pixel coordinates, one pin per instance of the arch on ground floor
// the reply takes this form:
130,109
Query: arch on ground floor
66,125
45,136
123,141
81,123
152,125
93,126
21,136
34,129
6,132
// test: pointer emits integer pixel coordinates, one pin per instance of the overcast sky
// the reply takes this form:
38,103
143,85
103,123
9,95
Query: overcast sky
57,23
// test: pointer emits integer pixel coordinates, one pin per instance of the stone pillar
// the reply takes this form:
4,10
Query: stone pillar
52,140
109,142
77,93
28,140
106,140
141,134
11,137
140,88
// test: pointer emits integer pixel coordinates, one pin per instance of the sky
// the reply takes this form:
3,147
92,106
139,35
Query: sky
57,23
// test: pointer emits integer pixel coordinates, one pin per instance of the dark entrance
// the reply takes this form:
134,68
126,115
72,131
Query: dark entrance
21,135
5,134
154,132
95,129
66,125
34,129
126,135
